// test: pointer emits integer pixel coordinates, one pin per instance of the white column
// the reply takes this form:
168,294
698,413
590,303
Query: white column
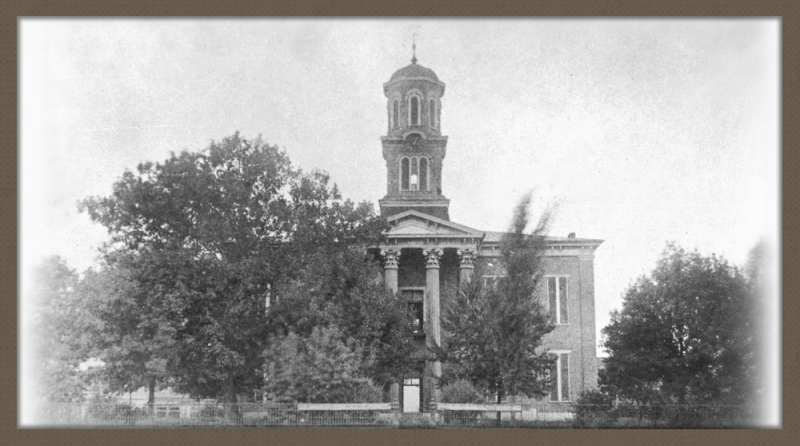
433,333
466,265
391,260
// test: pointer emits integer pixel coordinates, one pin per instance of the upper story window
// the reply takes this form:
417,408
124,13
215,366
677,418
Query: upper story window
558,298
404,173
414,173
413,110
432,113
395,114
270,298
559,374
491,281
415,301
423,173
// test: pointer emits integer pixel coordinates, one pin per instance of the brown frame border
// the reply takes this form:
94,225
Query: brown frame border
11,9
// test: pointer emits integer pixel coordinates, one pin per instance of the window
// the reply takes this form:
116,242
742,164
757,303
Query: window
432,113
270,299
559,386
491,281
414,173
423,174
413,111
557,293
417,310
167,411
404,173
414,299
395,113
492,399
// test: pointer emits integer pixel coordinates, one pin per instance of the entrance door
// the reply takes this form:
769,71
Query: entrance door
411,395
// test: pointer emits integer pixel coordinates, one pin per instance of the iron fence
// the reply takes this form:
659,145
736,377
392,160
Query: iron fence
252,415
289,415
572,416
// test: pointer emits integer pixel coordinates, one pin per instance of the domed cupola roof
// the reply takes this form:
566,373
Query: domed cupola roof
414,71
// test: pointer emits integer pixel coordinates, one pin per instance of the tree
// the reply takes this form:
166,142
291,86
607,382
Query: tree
319,368
493,332
756,269
207,236
132,335
685,334
344,290
57,318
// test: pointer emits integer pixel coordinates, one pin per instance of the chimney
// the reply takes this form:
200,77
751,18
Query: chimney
571,235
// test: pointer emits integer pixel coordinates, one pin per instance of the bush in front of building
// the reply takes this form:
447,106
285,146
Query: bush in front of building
366,392
594,408
461,392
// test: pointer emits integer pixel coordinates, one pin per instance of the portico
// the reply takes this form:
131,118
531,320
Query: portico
422,255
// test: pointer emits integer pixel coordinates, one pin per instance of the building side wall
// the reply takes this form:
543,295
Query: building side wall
578,335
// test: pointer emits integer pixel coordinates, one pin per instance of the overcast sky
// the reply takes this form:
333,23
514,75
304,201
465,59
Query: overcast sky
644,131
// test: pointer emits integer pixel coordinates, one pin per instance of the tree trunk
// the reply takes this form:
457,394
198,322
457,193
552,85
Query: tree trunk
500,394
231,399
151,395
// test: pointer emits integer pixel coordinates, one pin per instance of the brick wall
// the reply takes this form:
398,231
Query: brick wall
578,335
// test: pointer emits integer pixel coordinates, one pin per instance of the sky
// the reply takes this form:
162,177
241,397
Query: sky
643,131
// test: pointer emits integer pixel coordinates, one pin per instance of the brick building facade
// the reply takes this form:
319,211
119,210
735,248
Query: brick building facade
425,254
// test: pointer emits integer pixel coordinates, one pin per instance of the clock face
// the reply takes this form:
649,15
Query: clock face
414,140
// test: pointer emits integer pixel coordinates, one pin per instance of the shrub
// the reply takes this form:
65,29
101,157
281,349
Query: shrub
366,392
594,408
210,412
111,412
461,392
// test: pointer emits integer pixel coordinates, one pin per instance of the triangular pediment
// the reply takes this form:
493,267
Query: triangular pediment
418,224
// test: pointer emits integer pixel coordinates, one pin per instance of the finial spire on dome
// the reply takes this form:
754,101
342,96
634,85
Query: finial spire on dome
414,49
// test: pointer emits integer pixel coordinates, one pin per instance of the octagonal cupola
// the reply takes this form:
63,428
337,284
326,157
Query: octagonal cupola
414,148
414,94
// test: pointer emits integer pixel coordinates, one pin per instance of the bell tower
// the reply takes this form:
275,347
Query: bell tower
414,147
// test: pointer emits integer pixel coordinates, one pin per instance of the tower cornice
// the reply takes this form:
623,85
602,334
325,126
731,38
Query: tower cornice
390,84
402,139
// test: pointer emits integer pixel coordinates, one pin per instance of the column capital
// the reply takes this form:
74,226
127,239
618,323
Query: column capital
466,258
432,257
391,257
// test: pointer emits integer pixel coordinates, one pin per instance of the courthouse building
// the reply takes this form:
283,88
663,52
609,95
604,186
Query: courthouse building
425,253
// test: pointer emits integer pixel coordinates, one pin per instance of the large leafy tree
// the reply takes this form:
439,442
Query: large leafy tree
494,333
686,334
206,236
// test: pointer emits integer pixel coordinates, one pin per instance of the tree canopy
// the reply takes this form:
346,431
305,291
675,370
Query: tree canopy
686,334
321,367
344,291
493,333
201,241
